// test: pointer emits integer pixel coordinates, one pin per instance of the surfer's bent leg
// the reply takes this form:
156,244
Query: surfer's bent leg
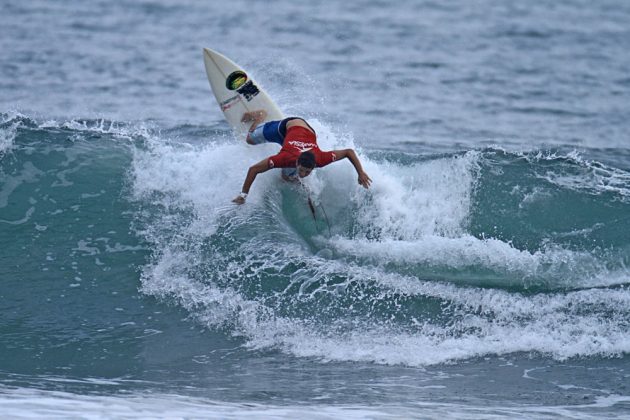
267,132
257,136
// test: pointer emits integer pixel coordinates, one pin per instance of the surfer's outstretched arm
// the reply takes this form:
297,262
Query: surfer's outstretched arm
364,179
260,167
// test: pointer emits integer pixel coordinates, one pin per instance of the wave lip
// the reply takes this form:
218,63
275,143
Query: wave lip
9,124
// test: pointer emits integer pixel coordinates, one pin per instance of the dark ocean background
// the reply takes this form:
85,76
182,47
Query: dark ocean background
485,274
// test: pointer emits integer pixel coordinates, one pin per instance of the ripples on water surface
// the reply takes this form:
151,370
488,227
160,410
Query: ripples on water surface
485,273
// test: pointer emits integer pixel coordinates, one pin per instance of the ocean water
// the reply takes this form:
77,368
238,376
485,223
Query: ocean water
486,273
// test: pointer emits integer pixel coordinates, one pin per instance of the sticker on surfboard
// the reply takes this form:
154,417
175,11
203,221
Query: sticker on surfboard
235,80
248,90
238,81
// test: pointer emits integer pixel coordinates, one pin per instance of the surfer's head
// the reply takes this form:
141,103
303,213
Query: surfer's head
305,164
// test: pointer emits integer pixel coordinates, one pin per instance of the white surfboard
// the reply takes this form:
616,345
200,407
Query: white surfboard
236,92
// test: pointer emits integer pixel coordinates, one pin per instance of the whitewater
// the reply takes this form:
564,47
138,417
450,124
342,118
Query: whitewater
485,274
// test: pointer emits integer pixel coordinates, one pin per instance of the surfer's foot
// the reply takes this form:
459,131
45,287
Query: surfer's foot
254,115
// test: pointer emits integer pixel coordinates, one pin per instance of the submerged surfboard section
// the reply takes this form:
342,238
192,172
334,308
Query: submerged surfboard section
236,91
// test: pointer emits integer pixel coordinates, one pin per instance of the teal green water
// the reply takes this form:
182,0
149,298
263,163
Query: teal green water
484,274
122,272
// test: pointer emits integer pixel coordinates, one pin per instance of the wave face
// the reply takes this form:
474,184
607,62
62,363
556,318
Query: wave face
448,257
485,272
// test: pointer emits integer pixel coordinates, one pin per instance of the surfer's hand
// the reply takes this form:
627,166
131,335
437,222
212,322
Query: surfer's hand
364,180
239,200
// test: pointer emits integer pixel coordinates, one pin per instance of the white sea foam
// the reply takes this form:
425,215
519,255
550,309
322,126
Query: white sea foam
29,403
409,202
9,124
23,403
207,178
7,135
553,267
485,321
414,215
102,126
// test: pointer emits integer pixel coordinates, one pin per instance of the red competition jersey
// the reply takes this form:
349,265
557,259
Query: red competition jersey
297,140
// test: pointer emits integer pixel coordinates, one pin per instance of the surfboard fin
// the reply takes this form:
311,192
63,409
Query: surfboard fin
312,207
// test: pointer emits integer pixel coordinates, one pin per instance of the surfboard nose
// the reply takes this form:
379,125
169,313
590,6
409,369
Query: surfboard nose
235,91
207,53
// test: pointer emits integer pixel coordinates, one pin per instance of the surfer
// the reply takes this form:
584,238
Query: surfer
299,154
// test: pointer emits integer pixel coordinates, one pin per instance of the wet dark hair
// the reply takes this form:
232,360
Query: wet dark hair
307,159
